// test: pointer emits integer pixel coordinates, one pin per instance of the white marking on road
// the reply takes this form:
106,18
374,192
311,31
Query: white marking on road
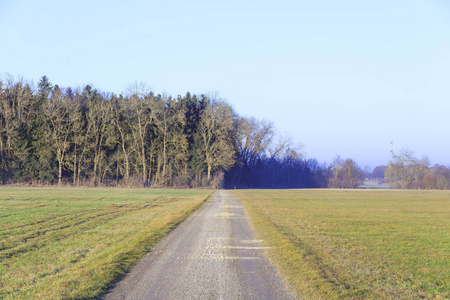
228,257
225,215
250,241
245,248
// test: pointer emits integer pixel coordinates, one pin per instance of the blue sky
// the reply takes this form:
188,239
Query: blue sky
340,77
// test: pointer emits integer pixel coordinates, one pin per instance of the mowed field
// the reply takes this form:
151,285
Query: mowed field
73,243
356,244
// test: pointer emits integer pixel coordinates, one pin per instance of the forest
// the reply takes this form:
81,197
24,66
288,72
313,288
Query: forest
51,135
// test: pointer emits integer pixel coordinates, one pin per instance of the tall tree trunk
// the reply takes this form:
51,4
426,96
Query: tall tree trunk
3,163
144,169
151,177
144,164
94,173
164,154
59,172
158,171
117,174
75,166
125,154
1,151
99,180
127,163
78,176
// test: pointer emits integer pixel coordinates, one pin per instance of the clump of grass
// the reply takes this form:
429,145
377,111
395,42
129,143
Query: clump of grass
73,243
358,244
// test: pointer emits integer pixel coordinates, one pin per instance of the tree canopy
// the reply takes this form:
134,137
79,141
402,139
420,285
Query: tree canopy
55,135
86,137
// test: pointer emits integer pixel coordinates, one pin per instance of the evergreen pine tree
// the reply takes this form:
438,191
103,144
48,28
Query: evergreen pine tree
44,160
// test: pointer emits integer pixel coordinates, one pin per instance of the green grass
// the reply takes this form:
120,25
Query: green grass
356,244
73,243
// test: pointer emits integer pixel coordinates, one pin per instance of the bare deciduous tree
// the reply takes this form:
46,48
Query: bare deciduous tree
139,105
253,138
216,129
170,119
63,115
99,118
345,173
405,170
122,123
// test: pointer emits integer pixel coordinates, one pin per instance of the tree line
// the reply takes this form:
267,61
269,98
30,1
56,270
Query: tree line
84,137
406,171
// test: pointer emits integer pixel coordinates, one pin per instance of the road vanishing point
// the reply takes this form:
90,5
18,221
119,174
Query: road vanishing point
211,255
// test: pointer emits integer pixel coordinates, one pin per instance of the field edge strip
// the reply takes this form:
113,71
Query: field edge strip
145,248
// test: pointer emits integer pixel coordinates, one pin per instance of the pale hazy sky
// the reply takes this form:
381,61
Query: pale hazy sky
340,77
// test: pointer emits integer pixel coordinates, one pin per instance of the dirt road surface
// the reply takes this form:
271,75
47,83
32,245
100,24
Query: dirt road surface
212,255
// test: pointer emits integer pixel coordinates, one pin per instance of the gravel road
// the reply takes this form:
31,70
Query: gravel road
212,255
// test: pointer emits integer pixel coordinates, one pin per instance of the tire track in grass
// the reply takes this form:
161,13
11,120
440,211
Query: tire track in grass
29,244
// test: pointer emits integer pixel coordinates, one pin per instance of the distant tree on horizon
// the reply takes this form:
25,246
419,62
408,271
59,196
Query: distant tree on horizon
345,173
405,170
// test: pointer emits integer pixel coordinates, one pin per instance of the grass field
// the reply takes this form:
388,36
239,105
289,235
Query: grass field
356,244
72,243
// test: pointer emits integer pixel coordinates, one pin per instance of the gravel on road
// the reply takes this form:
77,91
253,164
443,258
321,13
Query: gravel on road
212,255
